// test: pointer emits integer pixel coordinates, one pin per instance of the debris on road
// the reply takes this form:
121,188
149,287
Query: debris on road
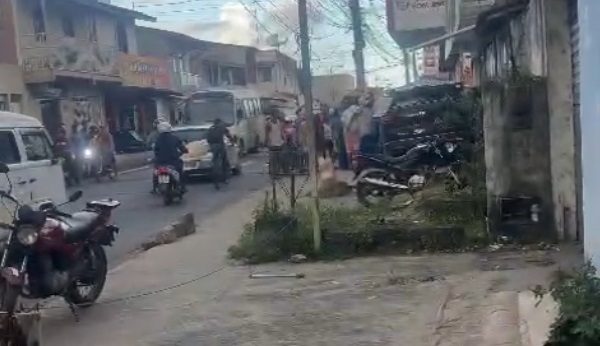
179,229
298,258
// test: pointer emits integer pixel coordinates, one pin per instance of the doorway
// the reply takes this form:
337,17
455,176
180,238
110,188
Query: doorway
51,117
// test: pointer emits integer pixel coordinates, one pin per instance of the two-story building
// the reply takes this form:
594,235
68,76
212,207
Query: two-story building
198,64
75,63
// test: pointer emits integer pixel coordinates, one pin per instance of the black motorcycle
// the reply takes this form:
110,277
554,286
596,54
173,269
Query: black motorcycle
382,177
168,183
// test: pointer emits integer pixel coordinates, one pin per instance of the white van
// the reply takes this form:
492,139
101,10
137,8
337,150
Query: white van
26,148
240,109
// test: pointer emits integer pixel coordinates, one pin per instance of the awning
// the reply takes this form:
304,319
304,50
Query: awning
444,37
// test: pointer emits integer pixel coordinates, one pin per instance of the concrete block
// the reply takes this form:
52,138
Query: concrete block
535,319
179,229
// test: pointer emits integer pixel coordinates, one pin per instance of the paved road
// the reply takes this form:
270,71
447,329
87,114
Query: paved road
142,215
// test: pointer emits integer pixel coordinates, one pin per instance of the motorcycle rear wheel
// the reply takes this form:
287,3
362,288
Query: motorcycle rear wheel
94,279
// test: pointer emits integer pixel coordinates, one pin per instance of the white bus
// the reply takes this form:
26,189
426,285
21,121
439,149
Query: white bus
240,109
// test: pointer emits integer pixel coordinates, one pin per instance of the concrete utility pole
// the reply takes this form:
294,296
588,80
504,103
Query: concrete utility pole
406,67
310,119
359,44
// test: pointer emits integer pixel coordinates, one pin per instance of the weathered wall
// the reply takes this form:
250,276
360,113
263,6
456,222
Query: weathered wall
517,158
560,107
11,82
590,125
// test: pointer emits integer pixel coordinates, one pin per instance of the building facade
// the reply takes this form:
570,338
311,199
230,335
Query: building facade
198,64
331,89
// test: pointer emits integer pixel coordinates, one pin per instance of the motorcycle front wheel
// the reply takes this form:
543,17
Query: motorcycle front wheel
88,287
368,194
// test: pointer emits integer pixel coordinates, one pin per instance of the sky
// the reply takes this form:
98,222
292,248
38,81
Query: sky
262,22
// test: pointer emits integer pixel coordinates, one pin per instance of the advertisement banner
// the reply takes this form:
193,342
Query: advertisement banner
144,72
411,15
431,61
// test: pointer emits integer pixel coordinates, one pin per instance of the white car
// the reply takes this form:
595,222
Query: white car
198,160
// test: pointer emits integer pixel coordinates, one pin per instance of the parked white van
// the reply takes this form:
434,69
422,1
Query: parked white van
26,148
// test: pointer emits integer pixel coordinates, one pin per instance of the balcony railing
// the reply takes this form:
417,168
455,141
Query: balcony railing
46,57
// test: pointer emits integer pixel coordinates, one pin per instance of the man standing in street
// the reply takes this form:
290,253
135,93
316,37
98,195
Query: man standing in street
216,139
274,131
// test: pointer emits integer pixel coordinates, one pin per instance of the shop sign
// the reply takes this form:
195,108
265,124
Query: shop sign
411,15
145,72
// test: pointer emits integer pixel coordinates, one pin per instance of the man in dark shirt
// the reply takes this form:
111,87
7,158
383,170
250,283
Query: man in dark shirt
168,150
216,139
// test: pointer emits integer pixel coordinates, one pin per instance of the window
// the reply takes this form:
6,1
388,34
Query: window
265,74
15,103
39,22
93,30
4,102
37,146
122,38
67,26
8,148
233,75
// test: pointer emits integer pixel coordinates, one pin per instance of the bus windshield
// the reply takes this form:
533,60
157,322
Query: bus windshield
205,108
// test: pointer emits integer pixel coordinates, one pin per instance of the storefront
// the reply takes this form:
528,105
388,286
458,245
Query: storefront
144,97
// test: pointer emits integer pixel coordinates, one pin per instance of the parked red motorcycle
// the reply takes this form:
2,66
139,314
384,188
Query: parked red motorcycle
52,253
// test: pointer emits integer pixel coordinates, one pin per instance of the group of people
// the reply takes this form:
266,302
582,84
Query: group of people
329,134
71,148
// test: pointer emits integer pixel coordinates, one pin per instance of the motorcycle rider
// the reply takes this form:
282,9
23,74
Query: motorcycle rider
168,150
216,139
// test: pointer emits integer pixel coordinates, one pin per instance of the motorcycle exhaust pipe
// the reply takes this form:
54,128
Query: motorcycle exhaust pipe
383,183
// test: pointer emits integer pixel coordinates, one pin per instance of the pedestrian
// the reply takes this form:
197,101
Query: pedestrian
337,130
274,130
106,146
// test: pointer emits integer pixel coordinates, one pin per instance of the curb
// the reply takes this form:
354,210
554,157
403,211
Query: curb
501,322
181,228
535,318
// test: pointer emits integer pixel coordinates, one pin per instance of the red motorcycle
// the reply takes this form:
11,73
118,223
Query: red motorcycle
52,253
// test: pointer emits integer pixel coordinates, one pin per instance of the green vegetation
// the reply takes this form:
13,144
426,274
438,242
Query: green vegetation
578,297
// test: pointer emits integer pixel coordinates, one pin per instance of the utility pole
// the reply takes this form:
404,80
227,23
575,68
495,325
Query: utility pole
310,119
406,65
359,44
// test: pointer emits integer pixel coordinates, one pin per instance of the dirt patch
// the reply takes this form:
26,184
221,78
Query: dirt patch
413,300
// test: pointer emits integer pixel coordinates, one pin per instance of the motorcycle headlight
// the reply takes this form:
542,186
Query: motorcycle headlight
27,235
88,153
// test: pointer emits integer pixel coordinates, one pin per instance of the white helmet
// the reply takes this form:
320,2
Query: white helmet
164,127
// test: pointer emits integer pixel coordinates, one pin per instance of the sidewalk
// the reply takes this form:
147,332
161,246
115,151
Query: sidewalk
442,300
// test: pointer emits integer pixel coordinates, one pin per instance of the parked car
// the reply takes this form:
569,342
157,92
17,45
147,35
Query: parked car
198,160
129,142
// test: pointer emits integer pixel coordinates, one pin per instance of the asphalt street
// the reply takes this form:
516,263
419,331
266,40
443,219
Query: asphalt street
142,215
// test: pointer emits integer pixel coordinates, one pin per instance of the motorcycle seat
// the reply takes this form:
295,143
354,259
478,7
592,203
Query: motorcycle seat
81,224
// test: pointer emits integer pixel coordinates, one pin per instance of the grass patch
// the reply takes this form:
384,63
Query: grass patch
433,222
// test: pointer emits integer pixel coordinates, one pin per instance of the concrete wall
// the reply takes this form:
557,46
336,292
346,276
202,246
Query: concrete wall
560,107
330,89
517,121
517,159
11,82
589,49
